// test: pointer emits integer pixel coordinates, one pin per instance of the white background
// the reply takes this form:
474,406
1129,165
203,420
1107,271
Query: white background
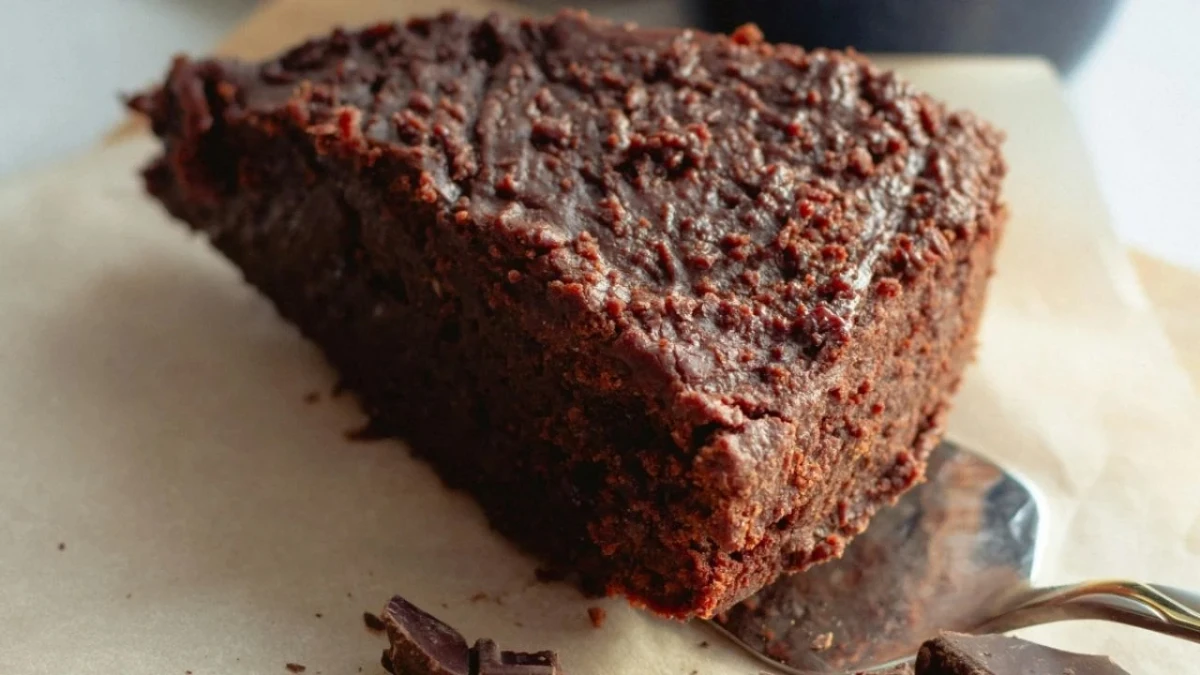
1137,98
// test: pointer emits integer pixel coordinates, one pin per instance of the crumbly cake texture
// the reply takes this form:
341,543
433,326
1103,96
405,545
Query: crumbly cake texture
680,310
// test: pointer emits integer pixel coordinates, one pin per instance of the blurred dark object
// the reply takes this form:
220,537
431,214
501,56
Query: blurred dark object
1059,30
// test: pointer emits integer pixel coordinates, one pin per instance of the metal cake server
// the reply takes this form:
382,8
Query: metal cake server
955,553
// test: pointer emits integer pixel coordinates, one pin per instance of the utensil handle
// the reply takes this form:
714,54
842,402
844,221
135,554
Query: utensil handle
1162,609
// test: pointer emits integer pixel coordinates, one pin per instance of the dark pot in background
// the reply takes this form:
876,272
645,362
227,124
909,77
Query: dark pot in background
1060,30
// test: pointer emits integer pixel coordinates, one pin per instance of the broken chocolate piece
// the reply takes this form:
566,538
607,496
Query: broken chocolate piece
959,654
489,660
421,644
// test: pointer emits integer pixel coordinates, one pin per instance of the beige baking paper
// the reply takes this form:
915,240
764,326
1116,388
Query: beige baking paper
153,419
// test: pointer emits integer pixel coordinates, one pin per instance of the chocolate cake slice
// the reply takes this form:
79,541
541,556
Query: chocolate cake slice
680,310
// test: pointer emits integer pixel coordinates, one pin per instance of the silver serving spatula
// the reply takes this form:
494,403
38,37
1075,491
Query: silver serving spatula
955,553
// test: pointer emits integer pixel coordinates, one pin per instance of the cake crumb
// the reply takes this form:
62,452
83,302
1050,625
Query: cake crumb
373,623
822,642
747,34
597,615
295,667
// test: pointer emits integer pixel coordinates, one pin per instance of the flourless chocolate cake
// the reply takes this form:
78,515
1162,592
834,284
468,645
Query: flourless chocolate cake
680,310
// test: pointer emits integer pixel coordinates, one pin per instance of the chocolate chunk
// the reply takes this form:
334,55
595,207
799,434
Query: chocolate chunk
489,660
421,644
959,654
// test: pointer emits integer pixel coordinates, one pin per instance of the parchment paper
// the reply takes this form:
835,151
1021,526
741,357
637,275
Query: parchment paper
153,420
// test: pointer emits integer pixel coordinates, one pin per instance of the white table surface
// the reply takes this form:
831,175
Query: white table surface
62,63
